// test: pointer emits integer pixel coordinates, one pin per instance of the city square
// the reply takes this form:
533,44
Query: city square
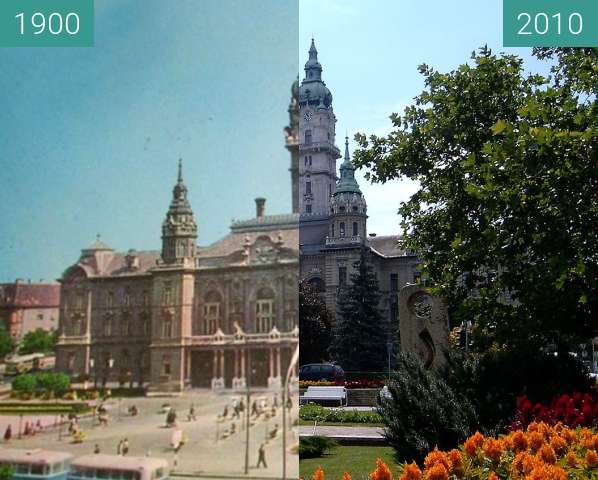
212,445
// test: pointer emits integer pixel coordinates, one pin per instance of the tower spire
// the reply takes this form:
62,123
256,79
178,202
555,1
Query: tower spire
347,156
180,176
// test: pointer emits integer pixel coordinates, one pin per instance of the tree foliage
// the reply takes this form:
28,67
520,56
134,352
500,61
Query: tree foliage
359,333
314,325
423,412
7,343
506,216
38,341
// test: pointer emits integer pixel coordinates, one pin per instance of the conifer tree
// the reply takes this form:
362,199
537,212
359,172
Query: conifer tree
359,333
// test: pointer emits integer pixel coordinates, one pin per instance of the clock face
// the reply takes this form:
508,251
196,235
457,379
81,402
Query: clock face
307,116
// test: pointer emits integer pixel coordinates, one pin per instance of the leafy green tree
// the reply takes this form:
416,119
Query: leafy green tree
314,325
359,333
54,382
6,472
38,341
24,383
7,343
506,216
423,412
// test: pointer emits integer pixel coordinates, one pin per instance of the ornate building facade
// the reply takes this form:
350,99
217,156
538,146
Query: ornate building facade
220,316
333,210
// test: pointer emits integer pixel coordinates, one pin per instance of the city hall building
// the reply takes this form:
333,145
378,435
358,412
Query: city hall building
333,210
221,316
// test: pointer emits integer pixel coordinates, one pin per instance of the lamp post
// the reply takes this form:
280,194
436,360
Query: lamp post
110,366
92,363
247,418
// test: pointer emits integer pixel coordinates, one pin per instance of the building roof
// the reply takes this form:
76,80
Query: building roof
256,238
119,462
388,246
29,295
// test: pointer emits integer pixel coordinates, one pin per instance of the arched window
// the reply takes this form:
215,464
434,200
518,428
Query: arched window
332,230
341,228
264,311
355,229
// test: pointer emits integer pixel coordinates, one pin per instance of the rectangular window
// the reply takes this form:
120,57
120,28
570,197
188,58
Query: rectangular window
355,229
394,282
109,299
166,368
211,315
342,276
308,208
307,137
108,327
308,188
264,315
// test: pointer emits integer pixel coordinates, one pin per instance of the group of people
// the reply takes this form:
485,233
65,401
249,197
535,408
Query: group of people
31,428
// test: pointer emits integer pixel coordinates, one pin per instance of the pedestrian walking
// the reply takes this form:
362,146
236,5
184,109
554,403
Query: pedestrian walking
125,447
261,457
96,449
8,433
119,447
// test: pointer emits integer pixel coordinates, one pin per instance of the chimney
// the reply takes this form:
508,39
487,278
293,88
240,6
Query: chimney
260,207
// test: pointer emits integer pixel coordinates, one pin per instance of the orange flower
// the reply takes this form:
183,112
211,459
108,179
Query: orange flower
586,438
559,444
493,476
411,472
437,472
571,459
382,471
568,435
456,462
592,458
435,457
318,474
346,476
473,443
492,449
519,441
546,453
523,463
545,472
535,440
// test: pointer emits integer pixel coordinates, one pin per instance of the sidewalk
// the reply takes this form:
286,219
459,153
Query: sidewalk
363,435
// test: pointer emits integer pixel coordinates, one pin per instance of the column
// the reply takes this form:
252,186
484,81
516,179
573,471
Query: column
278,362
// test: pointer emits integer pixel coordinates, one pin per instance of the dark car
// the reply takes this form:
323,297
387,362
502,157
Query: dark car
321,371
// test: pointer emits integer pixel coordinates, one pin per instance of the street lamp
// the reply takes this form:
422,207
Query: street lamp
92,370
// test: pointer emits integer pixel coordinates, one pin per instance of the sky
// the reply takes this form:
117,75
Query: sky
90,137
370,51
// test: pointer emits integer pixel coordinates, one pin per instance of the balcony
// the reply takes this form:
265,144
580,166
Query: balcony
336,241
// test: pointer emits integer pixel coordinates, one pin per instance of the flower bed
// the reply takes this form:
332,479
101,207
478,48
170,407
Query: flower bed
542,452
360,383
313,412
572,410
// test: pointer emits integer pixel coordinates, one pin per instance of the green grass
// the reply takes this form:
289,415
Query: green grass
358,461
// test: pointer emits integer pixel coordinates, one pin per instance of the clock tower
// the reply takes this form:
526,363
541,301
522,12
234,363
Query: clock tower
317,151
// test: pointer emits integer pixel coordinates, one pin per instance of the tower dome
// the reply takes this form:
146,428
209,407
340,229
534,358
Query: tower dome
313,91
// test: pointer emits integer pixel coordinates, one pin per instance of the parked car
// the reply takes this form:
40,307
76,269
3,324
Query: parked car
322,371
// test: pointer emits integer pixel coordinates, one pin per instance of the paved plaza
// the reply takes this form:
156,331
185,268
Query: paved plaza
211,449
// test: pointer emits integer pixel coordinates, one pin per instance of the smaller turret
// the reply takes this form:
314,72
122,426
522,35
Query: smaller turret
179,230
348,209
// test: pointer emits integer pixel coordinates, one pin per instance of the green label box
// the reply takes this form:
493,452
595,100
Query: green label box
46,23
550,23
